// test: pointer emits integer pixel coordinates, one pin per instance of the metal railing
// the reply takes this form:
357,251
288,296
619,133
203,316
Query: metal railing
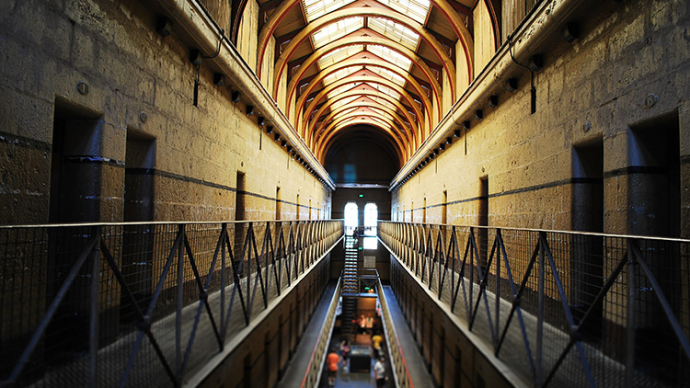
314,371
561,309
140,304
401,375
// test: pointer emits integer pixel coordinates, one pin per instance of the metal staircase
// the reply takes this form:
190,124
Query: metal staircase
350,283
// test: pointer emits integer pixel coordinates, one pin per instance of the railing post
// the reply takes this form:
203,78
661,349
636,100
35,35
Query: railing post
178,317
540,311
93,325
630,329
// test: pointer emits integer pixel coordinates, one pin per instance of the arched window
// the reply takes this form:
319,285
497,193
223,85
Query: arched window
351,217
371,217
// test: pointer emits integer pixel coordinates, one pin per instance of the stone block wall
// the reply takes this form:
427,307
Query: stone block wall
611,111
103,63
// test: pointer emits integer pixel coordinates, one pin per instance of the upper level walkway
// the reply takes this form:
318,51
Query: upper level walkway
166,304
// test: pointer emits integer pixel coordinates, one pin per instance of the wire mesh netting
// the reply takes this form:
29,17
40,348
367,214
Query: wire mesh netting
140,304
560,308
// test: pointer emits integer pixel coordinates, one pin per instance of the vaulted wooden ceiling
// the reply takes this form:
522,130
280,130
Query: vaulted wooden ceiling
385,63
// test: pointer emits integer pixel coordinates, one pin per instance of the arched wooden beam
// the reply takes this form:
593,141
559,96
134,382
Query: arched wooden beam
443,6
333,17
375,79
358,59
329,132
393,46
345,122
352,122
368,103
372,93
359,78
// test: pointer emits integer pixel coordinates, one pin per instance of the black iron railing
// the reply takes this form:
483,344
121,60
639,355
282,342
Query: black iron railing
140,304
561,309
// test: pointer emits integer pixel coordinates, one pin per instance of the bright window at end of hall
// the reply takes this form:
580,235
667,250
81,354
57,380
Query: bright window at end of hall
416,9
314,9
351,217
336,31
391,56
371,218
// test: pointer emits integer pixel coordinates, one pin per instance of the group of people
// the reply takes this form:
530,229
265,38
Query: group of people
333,360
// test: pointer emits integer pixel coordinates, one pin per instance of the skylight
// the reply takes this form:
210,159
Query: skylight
336,30
340,74
342,102
396,32
391,56
416,9
342,89
385,89
314,9
383,102
338,55
387,74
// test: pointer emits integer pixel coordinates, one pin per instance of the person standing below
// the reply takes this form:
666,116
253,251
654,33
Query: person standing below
376,343
380,372
332,361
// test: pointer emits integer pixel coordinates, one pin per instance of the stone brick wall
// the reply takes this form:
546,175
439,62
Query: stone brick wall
618,87
65,62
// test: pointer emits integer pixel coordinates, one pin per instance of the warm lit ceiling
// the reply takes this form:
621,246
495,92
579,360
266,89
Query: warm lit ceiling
374,62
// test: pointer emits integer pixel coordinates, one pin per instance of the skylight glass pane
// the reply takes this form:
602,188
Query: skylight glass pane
342,102
342,89
391,56
336,30
386,90
384,102
416,9
387,74
340,74
314,9
338,55
396,32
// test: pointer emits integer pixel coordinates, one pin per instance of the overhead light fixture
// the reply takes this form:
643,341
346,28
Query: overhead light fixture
250,110
235,96
276,137
456,133
269,129
449,140
466,124
478,114
260,121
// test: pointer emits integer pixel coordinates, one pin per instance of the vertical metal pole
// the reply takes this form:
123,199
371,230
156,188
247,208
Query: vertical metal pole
630,329
224,230
93,327
498,241
178,318
540,312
